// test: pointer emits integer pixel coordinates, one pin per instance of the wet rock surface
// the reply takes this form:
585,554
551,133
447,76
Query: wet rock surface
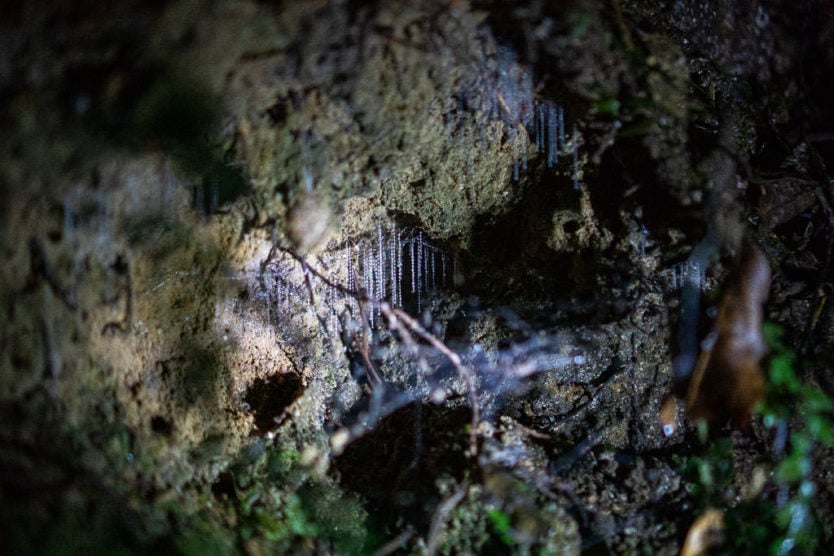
400,277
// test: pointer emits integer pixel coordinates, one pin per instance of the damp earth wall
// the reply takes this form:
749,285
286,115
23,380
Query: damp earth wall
348,277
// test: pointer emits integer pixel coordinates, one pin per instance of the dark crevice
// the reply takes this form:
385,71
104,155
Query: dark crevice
269,397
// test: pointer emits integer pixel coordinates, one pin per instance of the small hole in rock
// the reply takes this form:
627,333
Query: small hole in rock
224,486
161,425
570,226
270,396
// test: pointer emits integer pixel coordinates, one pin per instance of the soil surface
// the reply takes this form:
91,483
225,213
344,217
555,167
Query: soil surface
416,277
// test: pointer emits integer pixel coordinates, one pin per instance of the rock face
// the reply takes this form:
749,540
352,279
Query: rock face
346,277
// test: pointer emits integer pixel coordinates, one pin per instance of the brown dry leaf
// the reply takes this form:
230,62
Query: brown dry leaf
669,414
707,532
728,381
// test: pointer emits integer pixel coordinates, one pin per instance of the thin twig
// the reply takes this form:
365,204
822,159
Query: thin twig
360,296
438,522
409,341
302,261
395,544
394,314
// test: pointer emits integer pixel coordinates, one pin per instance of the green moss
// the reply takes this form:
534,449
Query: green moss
336,517
607,106
281,508
579,21
524,523
467,528
205,540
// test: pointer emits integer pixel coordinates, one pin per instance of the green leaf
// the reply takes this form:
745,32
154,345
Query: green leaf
782,373
790,470
815,401
821,429
773,335
501,524
705,474
607,106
